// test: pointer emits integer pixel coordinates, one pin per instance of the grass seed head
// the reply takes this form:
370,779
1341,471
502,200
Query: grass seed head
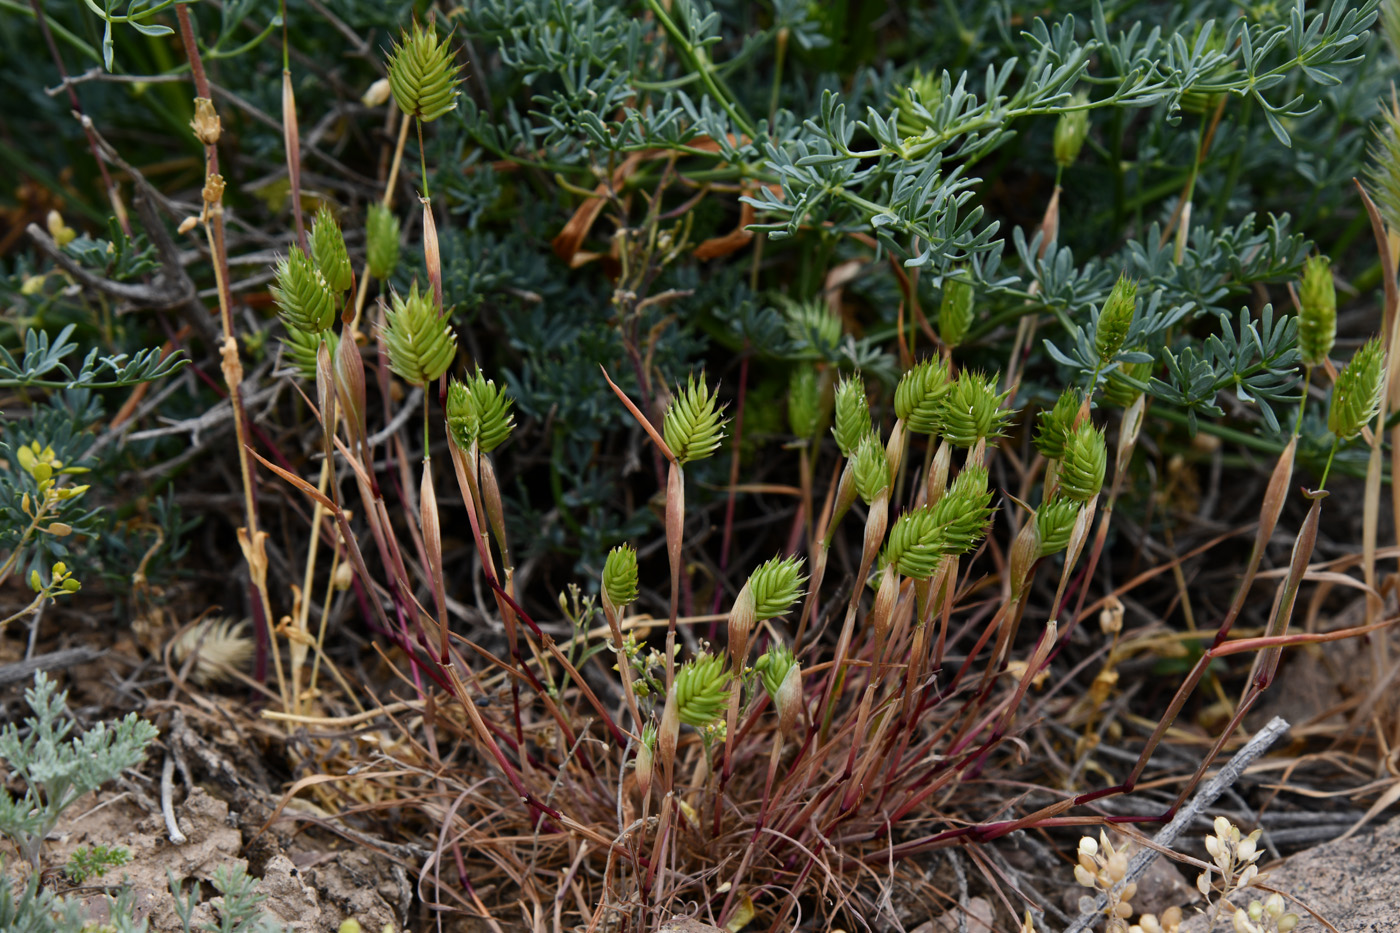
423,74
965,511
918,399
328,249
303,294
776,585
1054,522
809,401
701,689
1356,396
972,410
1117,390
620,576
299,349
692,427
852,415
478,410
955,311
871,468
224,646
1317,315
1115,319
421,345
1053,427
1085,461
382,241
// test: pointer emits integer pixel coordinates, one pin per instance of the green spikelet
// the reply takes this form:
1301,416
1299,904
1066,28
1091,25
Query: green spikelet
972,410
916,544
692,426
813,325
852,415
477,410
1053,427
421,345
328,249
299,349
1356,396
1317,317
964,511
1118,391
918,399
1070,132
809,401
702,687
871,468
921,537
423,74
1384,171
303,295
620,576
1115,319
772,667
1054,523
382,239
1084,463
775,586
955,311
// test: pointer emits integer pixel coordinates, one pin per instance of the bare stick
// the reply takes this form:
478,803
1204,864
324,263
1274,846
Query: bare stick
1207,795
167,804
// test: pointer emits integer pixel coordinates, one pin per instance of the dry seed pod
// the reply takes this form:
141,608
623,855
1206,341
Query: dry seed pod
644,761
206,124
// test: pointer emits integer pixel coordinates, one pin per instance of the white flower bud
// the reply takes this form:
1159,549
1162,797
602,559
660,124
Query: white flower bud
377,94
